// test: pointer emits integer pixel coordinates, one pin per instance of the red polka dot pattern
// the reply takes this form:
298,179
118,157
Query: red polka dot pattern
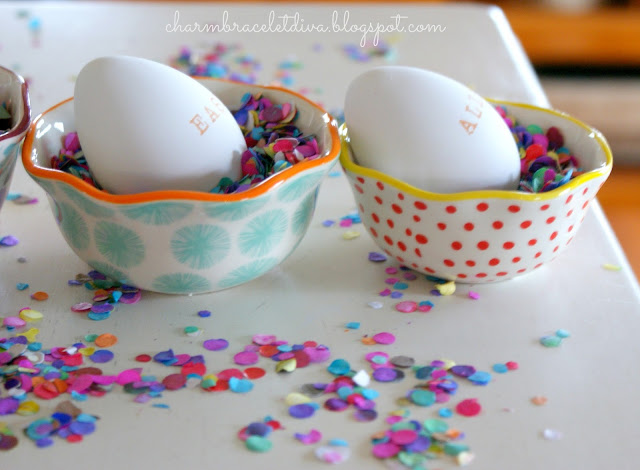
470,239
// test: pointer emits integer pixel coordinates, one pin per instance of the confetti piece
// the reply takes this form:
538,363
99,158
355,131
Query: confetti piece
562,333
375,305
474,295
469,407
22,286
106,340
8,240
552,435
551,341
612,267
384,338
101,356
30,315
312,437
204,313
216,344
353,325
406,306
302,410
377,257
448,288
334,454
500,368
539,400
350,234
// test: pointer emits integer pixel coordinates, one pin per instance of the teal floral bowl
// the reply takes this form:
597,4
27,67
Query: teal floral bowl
15,98
185,242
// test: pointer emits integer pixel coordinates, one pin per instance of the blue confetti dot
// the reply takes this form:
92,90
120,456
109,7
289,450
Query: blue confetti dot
445,413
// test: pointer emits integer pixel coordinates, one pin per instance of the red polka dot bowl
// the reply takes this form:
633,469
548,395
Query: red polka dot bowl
481,236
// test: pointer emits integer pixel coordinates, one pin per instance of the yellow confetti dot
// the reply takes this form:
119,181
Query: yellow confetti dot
288,365
295,398
350,234
88,351
31,334
448,363
612,267
28,408
447,288
30,315
400,412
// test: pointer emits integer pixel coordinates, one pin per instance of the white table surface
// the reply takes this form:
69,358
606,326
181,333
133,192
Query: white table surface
591,381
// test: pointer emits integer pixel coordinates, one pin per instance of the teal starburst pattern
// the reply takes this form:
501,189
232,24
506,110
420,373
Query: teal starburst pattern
73,226
118,244
200,246
248,272
235,210
12,149
263,233
299,187
90,207
110,271
181,283
303,214
158,213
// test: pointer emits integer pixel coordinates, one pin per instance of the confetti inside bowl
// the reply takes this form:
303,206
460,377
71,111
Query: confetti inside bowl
15,99
184,242
481,236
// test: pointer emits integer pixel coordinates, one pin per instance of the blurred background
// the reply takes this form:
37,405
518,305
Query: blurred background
587,54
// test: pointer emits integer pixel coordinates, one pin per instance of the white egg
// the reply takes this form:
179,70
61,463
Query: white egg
429,131
145,126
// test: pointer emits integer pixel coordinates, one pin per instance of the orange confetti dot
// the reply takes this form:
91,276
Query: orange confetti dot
368,340
539,400
105,340
40,296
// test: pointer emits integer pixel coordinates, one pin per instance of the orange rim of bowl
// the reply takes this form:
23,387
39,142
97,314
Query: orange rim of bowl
257,190
348,164
23,125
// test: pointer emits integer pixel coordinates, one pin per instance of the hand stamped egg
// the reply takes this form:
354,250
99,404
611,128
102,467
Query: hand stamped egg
145,126
429,131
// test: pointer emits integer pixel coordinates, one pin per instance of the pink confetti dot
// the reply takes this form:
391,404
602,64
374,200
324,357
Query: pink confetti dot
474,295
384,338
386,450
407,306
469,407
246,358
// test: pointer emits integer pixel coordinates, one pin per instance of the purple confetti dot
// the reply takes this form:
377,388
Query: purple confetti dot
365,415
216,344
376,257
8,240
101,356
385,374
396,295
463,371
204,313
302,410
336,404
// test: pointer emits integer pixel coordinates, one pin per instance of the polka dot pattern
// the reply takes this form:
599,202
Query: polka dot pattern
470,240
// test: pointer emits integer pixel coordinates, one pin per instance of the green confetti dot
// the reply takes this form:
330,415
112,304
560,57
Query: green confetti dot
423,397
551,341
258,444
90,338
435,426
190,329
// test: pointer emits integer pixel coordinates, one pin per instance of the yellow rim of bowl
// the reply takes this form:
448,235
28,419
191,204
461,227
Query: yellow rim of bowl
259,189
348,164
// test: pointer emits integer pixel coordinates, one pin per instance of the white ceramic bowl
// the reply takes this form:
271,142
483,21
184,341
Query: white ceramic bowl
184,242
481,236
13,92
